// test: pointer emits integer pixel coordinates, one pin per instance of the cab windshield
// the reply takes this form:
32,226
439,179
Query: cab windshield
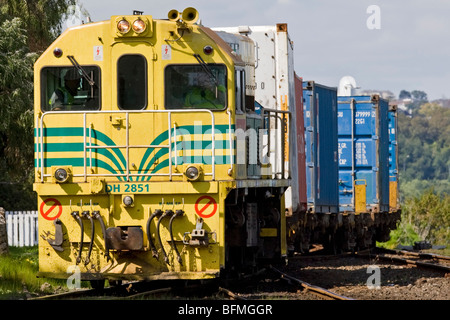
65,89
193,87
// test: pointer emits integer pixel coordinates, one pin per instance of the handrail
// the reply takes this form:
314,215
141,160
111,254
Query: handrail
230,140
127,146
279,115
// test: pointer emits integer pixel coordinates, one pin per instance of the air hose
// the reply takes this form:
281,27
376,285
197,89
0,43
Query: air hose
157,212
75,214
96,215
178,213
87,215
166,213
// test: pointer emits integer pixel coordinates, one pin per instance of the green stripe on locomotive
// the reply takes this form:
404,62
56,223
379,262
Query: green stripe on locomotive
117,158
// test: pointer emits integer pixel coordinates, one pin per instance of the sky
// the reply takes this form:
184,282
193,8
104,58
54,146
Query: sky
384,44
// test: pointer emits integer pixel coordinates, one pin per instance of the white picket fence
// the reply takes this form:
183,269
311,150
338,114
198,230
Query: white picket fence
22,228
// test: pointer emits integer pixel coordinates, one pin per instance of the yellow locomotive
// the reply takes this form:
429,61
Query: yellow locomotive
151,161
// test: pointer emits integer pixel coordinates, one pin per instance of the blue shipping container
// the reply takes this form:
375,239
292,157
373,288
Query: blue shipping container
320,115
363,151
393,146
393,159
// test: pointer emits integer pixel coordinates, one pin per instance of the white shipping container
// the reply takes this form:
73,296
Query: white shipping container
274,89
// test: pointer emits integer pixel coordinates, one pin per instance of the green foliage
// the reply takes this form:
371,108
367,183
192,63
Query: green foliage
42,19
424,150
27,27
416,187
424,174
18,271
16,112
16,81
418,98
430,216
404,95
419,95
424,218
403,235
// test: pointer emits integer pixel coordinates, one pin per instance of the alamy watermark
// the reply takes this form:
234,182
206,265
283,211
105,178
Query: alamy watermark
251,145
74,280
374,281
373,22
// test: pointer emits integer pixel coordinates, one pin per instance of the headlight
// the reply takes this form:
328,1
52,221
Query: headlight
61,175
127,201
131,26
192,173
139,26
123,26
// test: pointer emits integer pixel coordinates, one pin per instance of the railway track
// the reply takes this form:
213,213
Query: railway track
319,291
139,290
419,259
211,290
295,281
110,294
123,291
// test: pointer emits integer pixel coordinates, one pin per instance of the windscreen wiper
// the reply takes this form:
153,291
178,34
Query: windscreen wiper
206,68
83,73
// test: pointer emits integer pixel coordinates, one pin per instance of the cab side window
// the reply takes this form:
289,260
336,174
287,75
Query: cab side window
240,90
195,86
70,89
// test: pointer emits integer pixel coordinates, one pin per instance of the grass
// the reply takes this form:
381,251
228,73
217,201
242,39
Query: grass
18,272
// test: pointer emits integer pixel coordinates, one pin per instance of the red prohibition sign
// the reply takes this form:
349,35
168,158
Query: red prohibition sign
53,203
207,208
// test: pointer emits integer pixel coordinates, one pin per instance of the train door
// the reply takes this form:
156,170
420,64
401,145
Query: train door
133,125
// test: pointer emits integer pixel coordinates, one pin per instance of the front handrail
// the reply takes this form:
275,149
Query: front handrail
127,145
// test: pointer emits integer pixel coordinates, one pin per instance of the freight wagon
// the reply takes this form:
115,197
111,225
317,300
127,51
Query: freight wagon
363,143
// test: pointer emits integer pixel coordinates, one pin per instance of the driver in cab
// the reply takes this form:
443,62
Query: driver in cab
63,97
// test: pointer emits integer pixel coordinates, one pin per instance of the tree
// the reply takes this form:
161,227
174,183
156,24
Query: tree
424,150
16,110
430,216
424,217
41,18
27,28
404,95
419,95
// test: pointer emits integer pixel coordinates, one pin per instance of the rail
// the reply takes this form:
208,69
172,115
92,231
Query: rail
88,146
437,262
314,289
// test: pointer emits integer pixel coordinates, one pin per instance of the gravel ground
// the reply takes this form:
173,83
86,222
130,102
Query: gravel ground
351,277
